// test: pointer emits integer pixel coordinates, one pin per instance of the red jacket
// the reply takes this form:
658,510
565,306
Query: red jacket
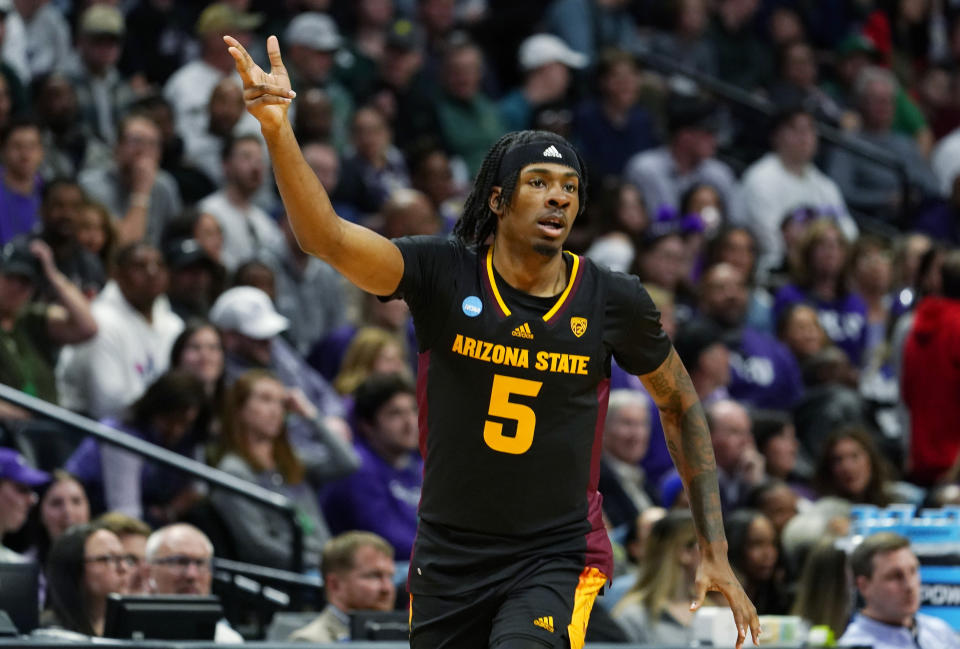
930,385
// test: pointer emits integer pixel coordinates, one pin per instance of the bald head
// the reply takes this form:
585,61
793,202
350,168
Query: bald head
730,432
409,212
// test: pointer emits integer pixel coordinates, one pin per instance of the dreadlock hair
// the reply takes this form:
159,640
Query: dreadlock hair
479,221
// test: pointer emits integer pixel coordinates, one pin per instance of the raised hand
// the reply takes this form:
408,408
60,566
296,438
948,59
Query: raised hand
267,96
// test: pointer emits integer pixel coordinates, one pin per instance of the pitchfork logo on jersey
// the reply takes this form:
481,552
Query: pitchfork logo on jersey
578,326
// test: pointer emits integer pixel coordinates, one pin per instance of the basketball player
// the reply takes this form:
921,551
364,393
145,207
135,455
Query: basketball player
516,338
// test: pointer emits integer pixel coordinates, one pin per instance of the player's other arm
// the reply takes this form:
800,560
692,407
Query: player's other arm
688,439
367,259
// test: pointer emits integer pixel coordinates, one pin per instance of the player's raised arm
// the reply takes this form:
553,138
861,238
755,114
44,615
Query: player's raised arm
688,439
364,257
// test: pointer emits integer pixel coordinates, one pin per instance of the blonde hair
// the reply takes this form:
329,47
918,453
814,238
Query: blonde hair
660,575
361,355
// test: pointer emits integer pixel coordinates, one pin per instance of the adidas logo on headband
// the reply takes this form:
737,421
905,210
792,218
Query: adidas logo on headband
551,152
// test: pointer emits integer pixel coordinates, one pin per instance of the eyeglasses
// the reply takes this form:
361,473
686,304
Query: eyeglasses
118,560
183,562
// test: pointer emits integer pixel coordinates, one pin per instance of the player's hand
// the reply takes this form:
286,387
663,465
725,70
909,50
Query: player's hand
267,96
715,574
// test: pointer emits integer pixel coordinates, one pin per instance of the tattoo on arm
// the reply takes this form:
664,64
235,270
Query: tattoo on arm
688,440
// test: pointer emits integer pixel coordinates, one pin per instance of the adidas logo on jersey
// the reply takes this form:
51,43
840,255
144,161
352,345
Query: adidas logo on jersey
551,152
523,331
545,622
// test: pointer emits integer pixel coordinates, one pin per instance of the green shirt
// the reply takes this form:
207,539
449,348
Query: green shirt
470,128
27,353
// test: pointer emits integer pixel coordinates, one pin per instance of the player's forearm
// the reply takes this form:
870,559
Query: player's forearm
307,204
688,440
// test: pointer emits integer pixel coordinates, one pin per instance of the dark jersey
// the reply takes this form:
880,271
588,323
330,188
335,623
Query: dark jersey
512,391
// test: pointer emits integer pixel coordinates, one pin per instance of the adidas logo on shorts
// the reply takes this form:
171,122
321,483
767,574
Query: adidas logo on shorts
523,331
545,622
551,152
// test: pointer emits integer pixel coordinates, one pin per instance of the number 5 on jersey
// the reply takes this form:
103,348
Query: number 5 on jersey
501,406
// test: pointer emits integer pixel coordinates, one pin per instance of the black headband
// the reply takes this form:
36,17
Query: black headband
524,154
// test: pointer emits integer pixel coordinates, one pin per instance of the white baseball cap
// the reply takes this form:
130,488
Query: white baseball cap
249,311
541,49
314,30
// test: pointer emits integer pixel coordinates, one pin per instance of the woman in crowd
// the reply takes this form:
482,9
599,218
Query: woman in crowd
851,467
255,447
657,608
754,556
800,330
617,225
96,233
825,590
165,415
86,563
199,351
821,281
871,274
372,351
63,503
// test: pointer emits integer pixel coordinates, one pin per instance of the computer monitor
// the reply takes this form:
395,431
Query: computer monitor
162,617
19,594
379,625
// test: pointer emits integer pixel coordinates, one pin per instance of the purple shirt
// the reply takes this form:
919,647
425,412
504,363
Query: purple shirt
844,319
763,372
19,214
377,498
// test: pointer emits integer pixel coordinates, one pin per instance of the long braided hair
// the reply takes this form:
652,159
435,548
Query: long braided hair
479,221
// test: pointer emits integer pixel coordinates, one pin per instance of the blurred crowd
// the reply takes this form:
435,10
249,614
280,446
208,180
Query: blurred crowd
799,242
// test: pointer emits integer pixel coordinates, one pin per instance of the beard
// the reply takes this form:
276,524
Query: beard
546,250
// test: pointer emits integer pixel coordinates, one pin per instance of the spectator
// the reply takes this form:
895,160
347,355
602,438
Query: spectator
69,144
661,258
546,62
800,330
223,121
251,328
86,564
821,281
663,174
134,188
622,220
401,89
469,120
324,160
60,210
32,332
372,351
850,467
357,570
198,350
626,437
683,38
871,276
195,278
255,447
407,213
61,503
163,40
701,348
591,26
179,560
614,126
188,89
824,593
247,229
136,330
945,161
656,611
133,534
382,496
887,574
376,169
785,179
764,373
742,58
753,554
797,84
47,39
311,42
121,481
102,94
776,439
13,63
18,482
865,184
96,234
21,154
432,174
739,465
929,378
777,501
737,246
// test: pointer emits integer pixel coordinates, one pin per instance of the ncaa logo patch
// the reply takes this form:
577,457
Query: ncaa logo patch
472,306
578,326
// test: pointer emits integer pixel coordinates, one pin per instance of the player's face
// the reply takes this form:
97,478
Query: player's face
543,207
